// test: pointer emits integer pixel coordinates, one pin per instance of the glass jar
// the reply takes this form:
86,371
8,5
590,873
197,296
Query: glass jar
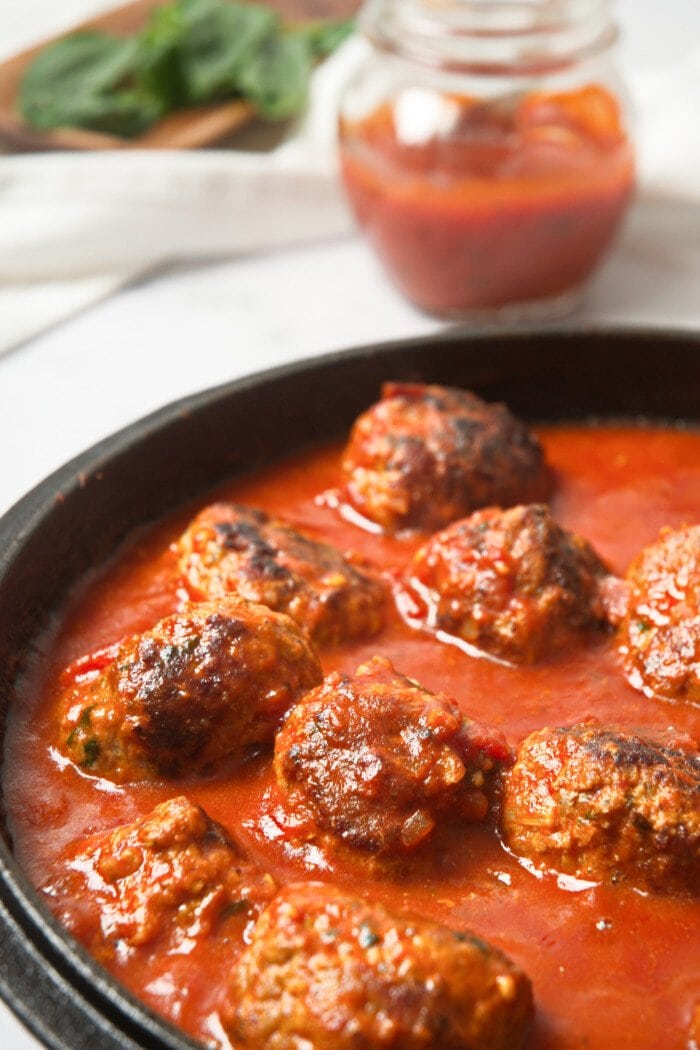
485,149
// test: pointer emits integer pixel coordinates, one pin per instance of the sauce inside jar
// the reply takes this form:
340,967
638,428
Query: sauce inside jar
477,205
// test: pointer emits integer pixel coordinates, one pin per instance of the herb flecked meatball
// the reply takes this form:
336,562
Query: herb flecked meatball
426,455
603,804
233,549
324,969
661,632
377,760
172,875
512,582
199,686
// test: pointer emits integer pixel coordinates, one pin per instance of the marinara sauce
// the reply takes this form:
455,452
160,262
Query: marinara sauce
510,202
485,150
612,968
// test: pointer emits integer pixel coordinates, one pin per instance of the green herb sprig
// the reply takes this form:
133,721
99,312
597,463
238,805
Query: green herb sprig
189,53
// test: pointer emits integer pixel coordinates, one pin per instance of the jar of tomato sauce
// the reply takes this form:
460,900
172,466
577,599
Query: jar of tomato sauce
485,149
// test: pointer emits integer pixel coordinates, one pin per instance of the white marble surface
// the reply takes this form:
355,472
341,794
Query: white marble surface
191,328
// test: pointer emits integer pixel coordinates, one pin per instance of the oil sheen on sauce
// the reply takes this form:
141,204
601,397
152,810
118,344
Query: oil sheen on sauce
612,968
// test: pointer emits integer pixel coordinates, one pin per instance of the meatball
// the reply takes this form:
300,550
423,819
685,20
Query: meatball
172,875
376,760
205,684
426,455
661,632
510,582
233,549
601,803
325,969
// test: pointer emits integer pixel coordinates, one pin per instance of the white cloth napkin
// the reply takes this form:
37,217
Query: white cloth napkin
75,227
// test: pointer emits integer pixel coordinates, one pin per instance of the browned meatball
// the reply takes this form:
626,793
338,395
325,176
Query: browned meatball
200,686
661,632
377,760
172,875
327,970
426,455
229,548
603,804
510,582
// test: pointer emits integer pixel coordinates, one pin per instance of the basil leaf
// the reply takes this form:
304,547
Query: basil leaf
158,69
276,78
324,37
64,83
220,39
121,113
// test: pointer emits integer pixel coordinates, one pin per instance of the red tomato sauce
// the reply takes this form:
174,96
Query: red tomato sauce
508,208
612,968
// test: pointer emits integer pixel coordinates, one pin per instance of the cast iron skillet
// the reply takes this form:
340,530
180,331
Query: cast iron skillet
75,519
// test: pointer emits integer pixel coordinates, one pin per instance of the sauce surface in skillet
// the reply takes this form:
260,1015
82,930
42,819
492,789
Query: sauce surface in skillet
612,967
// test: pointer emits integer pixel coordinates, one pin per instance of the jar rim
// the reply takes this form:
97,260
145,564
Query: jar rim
517,37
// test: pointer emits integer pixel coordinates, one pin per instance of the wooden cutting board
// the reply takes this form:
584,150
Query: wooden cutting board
186,129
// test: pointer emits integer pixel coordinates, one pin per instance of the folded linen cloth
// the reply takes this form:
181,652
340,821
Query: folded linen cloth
75,227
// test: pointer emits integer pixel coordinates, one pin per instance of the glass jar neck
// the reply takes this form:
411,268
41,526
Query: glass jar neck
513,37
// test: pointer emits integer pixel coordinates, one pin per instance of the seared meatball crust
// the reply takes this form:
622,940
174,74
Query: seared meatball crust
661,632
200,686
325,969
603,804
378,761
512,583
424,456
172,875
232,549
